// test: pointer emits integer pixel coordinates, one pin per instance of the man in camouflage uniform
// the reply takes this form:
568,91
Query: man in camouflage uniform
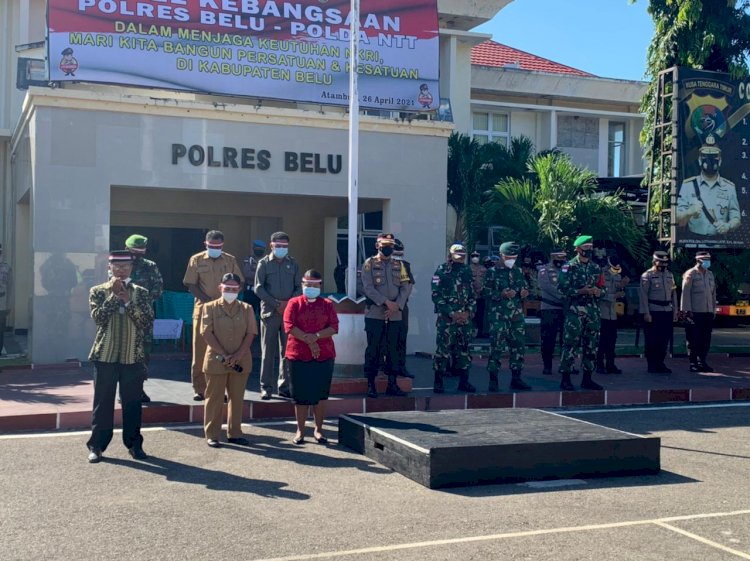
386,286
552,303
505,288
613,284
657,297
582,284
455,305
145,274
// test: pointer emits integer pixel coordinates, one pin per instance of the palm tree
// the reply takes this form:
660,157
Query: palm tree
556,202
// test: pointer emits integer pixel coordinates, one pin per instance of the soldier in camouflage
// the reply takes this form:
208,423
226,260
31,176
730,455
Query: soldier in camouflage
146,274
455,305
582,284
505,288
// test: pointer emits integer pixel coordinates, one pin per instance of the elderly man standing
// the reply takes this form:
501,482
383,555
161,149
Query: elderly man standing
277,280
202,278
699,306
122,313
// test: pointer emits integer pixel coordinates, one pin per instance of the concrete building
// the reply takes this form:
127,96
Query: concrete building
84,165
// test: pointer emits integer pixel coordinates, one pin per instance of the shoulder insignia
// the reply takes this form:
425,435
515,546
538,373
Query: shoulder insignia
435,279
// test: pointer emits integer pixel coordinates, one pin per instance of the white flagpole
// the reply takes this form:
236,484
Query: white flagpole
351,270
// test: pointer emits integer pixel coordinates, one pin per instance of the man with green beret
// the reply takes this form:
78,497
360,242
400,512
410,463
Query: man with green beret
505,288
145,274
455,305
582,284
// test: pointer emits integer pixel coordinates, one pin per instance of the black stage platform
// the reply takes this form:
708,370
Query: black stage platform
479,446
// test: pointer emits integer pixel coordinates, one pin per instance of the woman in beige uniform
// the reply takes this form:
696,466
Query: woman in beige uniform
228,327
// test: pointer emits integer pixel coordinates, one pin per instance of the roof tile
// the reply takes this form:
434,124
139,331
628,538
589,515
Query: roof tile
491,53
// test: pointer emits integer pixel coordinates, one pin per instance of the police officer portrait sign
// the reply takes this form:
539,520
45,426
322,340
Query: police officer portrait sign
271,49
713,169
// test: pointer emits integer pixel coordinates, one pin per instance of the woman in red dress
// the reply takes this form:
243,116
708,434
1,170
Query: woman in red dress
310,322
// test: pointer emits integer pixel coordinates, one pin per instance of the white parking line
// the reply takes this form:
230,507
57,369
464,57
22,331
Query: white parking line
529,533
703,540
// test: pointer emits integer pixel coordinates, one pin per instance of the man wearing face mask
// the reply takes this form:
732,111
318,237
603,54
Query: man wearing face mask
478,272
387,288
582,284
551,307
605,354
277,280
455,305
657,296
249,267
202,278
505,288
699,305
707,203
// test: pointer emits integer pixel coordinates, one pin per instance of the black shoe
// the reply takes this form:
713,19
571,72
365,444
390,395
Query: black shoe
145,398
590,385
198,397
466,386
518,384
213,443
705,367
547,372
695,368
394,390
612,369
372,390
265,395
285,394
240,441
663,369
601,369
137,453
437,385
95,456
567,386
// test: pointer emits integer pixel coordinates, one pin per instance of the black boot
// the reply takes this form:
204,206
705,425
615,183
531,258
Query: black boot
392,388
372,390
588,384
516,383
566,384
600,368
463,382
437,385
493,387
612,369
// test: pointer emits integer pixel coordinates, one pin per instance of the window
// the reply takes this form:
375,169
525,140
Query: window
616,149
574,131
491,127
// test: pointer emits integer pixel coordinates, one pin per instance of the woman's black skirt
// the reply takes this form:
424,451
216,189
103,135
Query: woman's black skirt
311,380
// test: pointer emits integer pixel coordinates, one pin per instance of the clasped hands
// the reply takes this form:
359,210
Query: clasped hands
391,308
510,293
461,318
590,291
312,341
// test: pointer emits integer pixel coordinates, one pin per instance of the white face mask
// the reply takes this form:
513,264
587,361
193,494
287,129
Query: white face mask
229,297
509,263
475,259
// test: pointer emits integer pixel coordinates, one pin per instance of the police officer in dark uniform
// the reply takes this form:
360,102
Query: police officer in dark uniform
551,308
386,286
249,268
658,304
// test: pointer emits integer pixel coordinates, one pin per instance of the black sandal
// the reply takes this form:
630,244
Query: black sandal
321,440
298,440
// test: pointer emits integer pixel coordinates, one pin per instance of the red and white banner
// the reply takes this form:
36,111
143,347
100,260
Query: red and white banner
295,51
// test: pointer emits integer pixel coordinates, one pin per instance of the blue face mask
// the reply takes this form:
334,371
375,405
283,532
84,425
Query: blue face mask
311,292
706,264
213,253
280,252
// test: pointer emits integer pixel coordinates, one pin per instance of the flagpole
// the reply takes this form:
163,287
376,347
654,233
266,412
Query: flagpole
351,270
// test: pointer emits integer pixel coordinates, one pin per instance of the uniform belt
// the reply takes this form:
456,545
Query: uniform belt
551,302
663,303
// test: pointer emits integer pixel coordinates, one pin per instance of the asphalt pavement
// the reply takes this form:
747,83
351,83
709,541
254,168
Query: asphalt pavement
273,500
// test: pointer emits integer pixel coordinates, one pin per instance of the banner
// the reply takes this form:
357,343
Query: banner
297,51
713,160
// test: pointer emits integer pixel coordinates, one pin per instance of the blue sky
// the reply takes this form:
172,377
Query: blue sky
608,38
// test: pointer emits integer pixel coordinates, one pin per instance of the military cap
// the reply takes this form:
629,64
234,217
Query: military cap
614,260
398,245
580,240
137,243
661,256
475,254
387,239
509,248
710,147
558,251
279,237
67,51
495,258
457,248
703,255
259,243
230,277
120,256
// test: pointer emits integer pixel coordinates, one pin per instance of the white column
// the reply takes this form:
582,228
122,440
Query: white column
552,129
351,271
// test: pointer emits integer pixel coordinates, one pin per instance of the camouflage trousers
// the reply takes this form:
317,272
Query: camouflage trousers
452,345
507,335
580,330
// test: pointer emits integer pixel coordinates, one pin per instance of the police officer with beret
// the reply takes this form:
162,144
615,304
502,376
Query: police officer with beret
699,306
386,286
552,304
657,297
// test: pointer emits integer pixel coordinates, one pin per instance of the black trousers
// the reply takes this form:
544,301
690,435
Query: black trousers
605,354
382,342
552,322
106,377
657,336
699,336
3,322
401,339
479,317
